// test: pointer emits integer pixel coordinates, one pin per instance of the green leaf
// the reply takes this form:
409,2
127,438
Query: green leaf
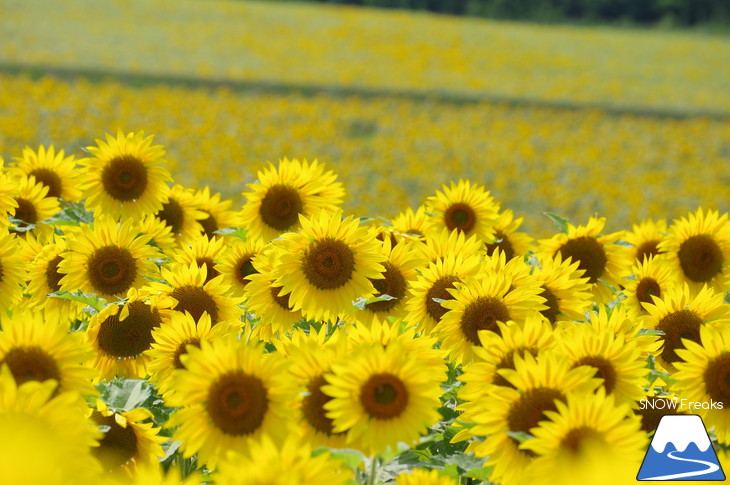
73,215
361,302
127,394
89,299
480,473
20,225
352,459
650,331
520,436
238,232
439,300
559,221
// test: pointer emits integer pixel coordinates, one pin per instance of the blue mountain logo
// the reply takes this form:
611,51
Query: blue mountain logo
681,450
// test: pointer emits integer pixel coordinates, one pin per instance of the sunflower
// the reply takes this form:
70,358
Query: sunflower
400,271
645,238
48,438
703,375
439,245
203,252
34,207
7,190
128,441
381,397
597,255
236,264
433,284
327,265
151,474
412,225
619,363
538,383
171,341
506,239
465,207
52,169
125,177
218,214
699,246
652,277
680,316
421,476
186,290
160,234
35,348
181,213
588,439
652,411
291,463
121,335
282,194
567,293
12,271
107,259
478,304
230,394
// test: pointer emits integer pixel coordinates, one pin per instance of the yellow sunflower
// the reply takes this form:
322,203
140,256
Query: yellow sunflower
679,316
52,169
125,177
506,238
327,265
588,439
282,194
699,246
433,284
107,259
703,375
421,476
218,214
128,440
596,254
412,225
478,304
652,276
171,341
35,348
13,274
381,397
203,252
121,335
567,293
438,245
151,474
538,383
7,190
465,207
229,395
48,438
645,238
291,463
186,290
236,264
181,213
160,234
34,207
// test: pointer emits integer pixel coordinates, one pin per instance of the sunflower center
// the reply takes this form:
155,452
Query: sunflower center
182,349
119,444
717,379
245,269
280,207
647,288
283,300
313,406
553,307
31,364
392,284
173,215
460,216
508,362
483,314
577,439
237,403
440,291
209,225
25,211
111,270
604,370
328,263
588,253
124,178
384,396
501,243
676,326
210,270
50,179
648,248
53,277
131,336
195,300
530,408
700,258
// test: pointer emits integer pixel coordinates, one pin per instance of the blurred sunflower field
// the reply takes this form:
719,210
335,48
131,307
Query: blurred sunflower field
262,243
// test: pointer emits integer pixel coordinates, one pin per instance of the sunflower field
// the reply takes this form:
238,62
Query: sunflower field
292,255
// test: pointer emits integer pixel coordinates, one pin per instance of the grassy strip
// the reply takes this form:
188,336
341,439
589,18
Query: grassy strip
275,87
